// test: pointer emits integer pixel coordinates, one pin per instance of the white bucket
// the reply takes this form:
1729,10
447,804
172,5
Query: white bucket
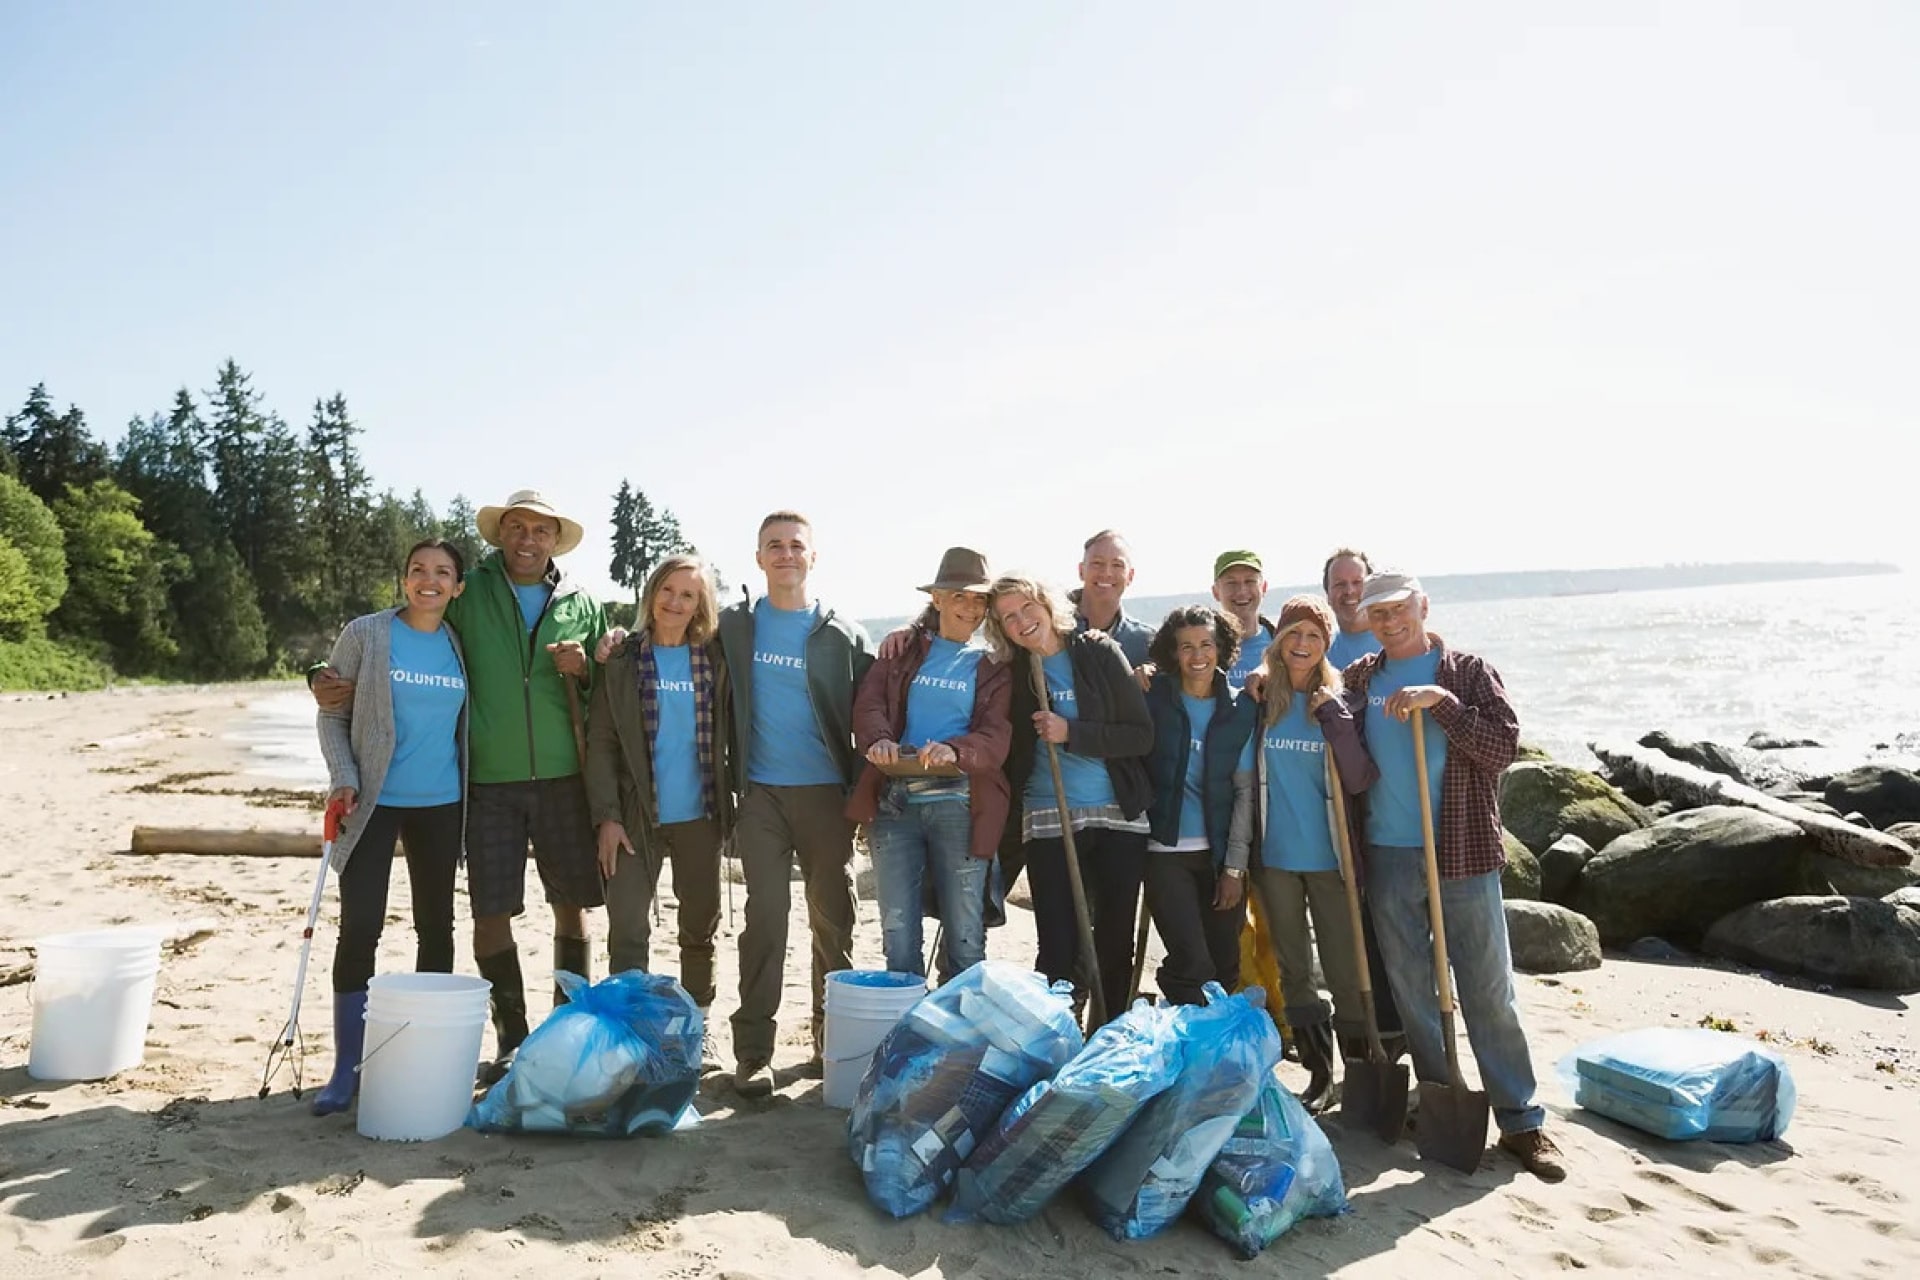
92,996
862,1006
423,1046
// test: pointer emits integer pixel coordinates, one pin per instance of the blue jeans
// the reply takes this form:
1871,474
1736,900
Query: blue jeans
1482,975
929,841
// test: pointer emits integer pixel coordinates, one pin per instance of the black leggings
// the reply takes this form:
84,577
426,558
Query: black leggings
1111,864
432,838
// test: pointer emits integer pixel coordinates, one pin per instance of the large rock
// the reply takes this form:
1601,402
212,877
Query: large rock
1551,939
1908,897
1849,942
1765,740
1826,875
1883,793
1521,876
1732,761
1560,868
1681,874
1907,831
1541,801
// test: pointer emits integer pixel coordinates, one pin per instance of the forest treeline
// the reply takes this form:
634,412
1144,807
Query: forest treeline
214,540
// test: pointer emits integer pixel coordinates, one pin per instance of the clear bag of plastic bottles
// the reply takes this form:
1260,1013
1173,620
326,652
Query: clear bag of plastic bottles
1144,1180
1060,1126
622,1057
1276,1168
945,1073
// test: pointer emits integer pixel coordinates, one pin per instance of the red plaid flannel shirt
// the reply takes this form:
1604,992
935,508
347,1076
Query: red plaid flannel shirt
1483,736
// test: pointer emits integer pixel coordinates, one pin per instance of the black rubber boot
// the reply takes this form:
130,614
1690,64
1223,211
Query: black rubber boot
575,956
508,1001
1316,1055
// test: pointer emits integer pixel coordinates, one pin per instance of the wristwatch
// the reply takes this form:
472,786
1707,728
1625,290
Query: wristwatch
1238,873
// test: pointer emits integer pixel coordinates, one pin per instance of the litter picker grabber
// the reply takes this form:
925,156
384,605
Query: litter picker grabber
1082,918
1374,1093
282,1050
1453,1118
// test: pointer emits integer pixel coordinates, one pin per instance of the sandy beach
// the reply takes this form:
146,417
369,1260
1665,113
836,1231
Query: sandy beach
177,1167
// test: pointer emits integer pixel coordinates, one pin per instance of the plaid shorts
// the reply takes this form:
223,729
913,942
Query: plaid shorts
551,814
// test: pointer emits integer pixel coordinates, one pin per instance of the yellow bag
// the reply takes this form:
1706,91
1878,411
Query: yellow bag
1259,965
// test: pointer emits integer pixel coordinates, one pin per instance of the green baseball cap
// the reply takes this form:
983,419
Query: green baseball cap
1228,559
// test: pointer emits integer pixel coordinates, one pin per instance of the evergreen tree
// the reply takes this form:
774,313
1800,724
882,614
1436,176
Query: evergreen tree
625,542
52,450
643,536
28,528
218,623
346,576
118,575
459,528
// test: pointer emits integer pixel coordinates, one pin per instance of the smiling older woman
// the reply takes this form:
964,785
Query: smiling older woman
657,783
932,724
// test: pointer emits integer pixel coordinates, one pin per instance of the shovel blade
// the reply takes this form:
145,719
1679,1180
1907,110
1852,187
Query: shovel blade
1374,1096
1453,1125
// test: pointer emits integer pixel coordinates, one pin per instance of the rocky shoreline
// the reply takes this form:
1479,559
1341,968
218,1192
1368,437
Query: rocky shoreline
1779,854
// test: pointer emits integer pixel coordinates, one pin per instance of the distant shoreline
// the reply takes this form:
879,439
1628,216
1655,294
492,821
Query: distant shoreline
1462,588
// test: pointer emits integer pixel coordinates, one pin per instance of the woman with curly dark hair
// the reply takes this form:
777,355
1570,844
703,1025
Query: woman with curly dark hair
1201,818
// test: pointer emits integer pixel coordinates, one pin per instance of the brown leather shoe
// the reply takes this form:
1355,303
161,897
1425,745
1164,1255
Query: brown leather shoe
1535,1150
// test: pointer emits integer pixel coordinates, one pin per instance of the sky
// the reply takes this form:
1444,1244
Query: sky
1475,286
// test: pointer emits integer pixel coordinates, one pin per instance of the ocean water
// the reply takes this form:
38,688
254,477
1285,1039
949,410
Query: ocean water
1835,659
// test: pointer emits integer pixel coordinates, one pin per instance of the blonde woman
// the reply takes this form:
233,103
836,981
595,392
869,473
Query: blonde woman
1099,721
1300,868
657,784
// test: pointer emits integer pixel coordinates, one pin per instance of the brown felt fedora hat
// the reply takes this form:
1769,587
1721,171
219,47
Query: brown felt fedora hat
961,569
487,520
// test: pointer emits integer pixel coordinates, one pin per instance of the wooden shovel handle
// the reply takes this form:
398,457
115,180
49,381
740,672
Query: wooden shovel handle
1350,875
1436,917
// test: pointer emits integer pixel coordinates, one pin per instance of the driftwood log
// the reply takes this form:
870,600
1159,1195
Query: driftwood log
225,843
1690,787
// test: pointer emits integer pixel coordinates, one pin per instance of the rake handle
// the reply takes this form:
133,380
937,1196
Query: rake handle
1442,974
1082,918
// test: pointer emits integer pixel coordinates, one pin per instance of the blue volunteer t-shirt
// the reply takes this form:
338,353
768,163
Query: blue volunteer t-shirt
429,689
1296,838
1193,812
787,749
940,699
1350,646
1393,803
1089,785
533,601
1252,649
676,759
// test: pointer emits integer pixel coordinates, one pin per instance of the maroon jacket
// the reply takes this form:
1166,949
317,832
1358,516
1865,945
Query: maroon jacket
880,711
1483,737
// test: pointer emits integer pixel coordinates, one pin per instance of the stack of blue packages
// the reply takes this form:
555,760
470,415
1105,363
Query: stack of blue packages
622,1057
1684,1082
1145,1179
1276,1168
1060,1126
946,1072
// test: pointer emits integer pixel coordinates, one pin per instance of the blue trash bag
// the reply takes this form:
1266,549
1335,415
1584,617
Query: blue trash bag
1229,1045
1683,1083
1060,1126
1276,1168
945,1073
623,1057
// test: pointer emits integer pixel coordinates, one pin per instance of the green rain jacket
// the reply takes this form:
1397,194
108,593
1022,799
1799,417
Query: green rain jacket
520,726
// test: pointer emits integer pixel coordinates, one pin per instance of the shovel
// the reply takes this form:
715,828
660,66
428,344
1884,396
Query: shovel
1082,918
1374,1093
1453,1118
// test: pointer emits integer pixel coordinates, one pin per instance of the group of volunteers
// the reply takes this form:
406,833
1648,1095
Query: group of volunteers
495,713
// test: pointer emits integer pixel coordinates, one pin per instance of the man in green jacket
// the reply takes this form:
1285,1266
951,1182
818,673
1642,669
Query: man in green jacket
794,666
527,630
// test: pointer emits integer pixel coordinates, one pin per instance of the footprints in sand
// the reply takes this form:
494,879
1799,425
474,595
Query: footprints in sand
1668,1182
